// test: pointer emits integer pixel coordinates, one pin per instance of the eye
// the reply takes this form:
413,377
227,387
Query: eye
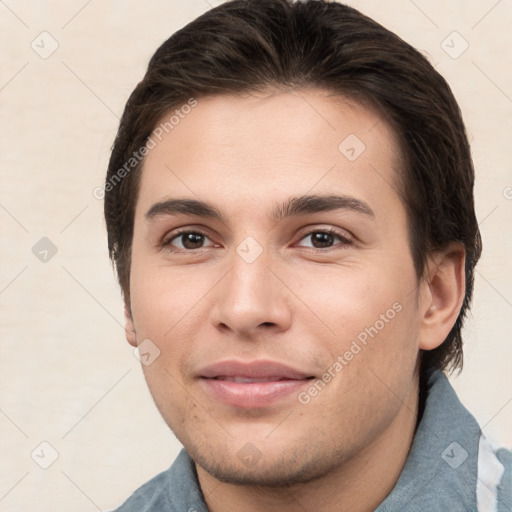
324,238
189,240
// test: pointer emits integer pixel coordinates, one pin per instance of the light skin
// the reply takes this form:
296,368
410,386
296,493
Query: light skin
201,302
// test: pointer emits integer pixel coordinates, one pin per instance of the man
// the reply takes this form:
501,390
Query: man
289,206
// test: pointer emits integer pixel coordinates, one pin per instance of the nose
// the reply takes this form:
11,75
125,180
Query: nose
252,297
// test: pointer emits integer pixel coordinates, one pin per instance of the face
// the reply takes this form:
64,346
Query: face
287,326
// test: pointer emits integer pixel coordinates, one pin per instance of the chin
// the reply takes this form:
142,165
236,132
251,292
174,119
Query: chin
274,470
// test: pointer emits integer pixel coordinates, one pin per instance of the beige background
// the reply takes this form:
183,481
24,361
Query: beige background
67,375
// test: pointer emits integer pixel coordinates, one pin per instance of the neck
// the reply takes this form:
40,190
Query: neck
359,485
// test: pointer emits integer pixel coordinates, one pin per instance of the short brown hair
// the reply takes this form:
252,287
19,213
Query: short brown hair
246,46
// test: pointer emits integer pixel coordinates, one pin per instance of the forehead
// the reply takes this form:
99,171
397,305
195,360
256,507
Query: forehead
263,148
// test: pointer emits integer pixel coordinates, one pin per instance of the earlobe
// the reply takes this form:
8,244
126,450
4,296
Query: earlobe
446,287
129,328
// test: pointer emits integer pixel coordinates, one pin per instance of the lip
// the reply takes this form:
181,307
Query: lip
275,382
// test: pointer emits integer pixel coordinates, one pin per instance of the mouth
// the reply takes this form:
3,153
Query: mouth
248,380
252,385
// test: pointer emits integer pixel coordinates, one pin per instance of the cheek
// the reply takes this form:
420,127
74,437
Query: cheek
178,409
353,302
162,298
372,334
370,355
162,305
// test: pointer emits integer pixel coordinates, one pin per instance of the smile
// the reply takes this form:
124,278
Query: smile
253,384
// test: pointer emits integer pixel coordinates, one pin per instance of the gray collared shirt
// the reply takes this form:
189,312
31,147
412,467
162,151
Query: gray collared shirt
451,467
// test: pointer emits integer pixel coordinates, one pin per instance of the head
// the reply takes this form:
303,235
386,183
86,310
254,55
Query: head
249,108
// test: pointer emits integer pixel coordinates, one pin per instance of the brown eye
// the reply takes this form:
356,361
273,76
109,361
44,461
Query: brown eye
189,240
325,239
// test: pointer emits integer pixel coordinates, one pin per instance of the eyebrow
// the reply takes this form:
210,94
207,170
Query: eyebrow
293,207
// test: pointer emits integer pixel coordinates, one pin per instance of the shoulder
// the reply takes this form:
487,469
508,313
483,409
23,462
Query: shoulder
150,496
173,490
451,464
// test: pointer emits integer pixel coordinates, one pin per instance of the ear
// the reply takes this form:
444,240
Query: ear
129,328
442,295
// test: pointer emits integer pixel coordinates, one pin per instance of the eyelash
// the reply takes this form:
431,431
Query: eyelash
345,241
